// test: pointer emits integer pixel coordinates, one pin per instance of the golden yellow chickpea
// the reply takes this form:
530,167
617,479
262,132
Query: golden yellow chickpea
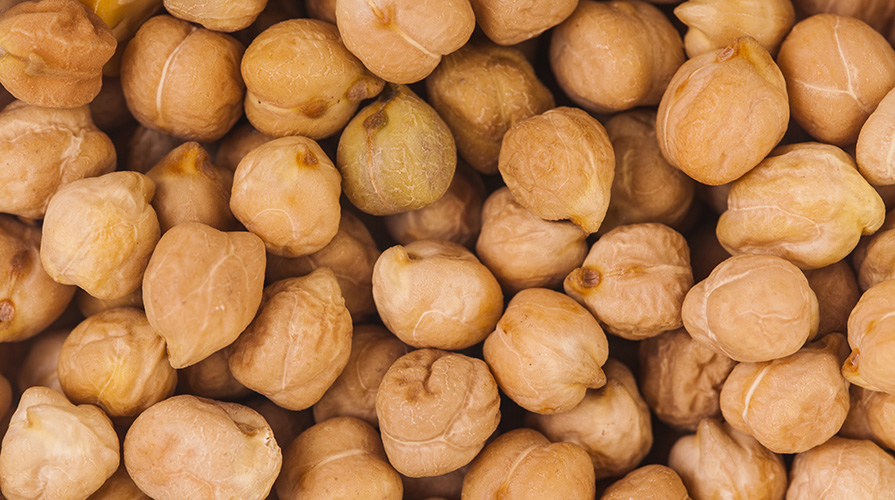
713,24
508,22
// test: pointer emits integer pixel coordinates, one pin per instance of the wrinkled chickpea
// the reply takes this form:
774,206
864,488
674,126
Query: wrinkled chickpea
870,417
211,378
217,15
650,482
836,289
870,336
873,152
508,22
873,255
713,24
119,487
286,424
40,365
878,15
842,469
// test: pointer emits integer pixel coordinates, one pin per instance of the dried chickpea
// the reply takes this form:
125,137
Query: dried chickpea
119,487
109,108
116,361
645,188
402,41
508,22
217,15
873,255
324,10
876,143
436,409
183,80
870,336
634,280
837,293
713,24
842,469
613,56
287,192
29,298
650,482
723,112
523,464
44,149
524,250
722,462
437,294
805,202
88,305
190,447
147,147
53,53
99,232
681,379
237,143
350,255
202,288
481,91
870,417
858,65
752,308
444,487
878,15
339,458
396,154
286,424
123,17
298,343
611,423
353,394
39,367
560,165
211,378
54,449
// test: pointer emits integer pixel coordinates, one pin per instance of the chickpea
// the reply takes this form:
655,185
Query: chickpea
211,378
870,417
41,362
837,293
88,305
240,141
842,469
713,24
324,10
119,487
878,15
147,147
219,15
870,337
444,487
875,141
650,482
508,22
873,255
286,424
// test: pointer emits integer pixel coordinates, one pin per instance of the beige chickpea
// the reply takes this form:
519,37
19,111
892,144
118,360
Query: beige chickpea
436,409
43,149
57,51
871,415
870,336
523,464
524,250
240,141
723,112
116,361
350,255
119,487
837,293
30,300
722,462
444,487
611,423
876,141
88,305
173,450
560,165
878,15
437,294
396,154
613,56
645,188
339,458
301,80
634,280
287,192
202,288
99,233
146,147
752,308
298,343
508,22
54,449
481,91
183,80
353,394
650,482
324,10
286,424
713,24
402,41
859,69
211,378
873,255
842,469
681,379
217,15
39,368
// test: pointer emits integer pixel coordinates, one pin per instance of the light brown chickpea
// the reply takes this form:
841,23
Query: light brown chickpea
634,280
613,56
217,15
436,294
147,147
508,22
88,305
301,80
211,378
873,152
859,69
99,232
879,15
713,24
119,486
481,91
44,149
873,255
202,288
723,112
752,308
298,343
54,52
524,250
870,336
870,417
287,192
722,462
402,41
240,141
54,449
339,458
353,394
842,469
837,293
173,450
611,423
109,108
650,482
324,10
436,409
183,80
39,367
560,165
523,464
681,379
444,487
286,424
30,300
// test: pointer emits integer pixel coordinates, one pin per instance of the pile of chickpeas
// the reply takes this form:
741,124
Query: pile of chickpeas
447,250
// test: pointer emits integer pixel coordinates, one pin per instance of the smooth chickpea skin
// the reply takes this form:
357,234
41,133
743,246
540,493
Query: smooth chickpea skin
240,141
712,24
147,147
650,482
436,409
217,15
873,151
870,337
613,56
842,469
836,289
119,486
508,22
873,256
